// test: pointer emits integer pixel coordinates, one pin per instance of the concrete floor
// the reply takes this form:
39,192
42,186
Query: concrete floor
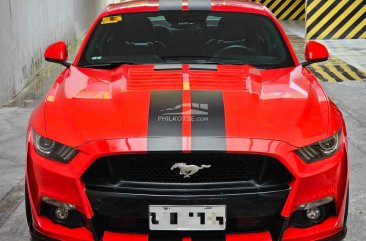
349,95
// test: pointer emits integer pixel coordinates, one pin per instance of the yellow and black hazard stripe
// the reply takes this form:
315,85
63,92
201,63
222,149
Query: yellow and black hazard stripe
285,10
336,70
335,19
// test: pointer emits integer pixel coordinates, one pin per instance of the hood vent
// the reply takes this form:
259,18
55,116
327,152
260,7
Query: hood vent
153,79
199,77
222,79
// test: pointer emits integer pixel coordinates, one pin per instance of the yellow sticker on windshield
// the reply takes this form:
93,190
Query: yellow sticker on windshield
112,19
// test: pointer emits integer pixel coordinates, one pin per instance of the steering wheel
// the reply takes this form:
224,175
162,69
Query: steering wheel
233,50
212,46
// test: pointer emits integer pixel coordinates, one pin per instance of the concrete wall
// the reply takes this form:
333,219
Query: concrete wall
28,27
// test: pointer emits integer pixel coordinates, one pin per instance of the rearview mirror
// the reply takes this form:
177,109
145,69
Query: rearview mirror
315,52
57,53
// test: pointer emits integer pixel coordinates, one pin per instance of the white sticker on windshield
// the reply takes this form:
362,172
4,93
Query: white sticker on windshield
97,58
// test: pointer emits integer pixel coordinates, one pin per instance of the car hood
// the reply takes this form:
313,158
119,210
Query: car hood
224,102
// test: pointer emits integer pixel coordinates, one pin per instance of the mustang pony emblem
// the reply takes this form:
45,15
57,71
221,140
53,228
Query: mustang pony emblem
188,170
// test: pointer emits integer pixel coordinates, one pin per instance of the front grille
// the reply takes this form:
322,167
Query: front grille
156,168
121,188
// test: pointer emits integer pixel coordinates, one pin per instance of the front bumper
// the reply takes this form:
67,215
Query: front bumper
311,182
264,236
246,237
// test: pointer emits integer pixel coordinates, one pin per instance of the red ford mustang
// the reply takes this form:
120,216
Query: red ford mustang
187,120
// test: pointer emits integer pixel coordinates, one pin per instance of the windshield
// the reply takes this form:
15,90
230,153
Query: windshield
186,37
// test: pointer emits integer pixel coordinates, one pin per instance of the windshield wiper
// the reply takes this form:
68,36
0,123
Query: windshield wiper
201,60
223,63
110,65
253,64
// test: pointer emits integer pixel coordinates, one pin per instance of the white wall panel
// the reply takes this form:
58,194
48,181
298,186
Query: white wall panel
28,27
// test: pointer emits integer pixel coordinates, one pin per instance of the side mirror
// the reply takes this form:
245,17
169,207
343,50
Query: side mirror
315,52
57,53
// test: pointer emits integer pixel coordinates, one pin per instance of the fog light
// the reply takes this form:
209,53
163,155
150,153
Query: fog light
61,213
310,214
65,214
313,214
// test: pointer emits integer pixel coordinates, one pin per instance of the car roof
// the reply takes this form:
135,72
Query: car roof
160,5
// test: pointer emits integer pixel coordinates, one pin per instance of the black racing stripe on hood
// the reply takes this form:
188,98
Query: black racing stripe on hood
165,121
208,121
167,5
199,5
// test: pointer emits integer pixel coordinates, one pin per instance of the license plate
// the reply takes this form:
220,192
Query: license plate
187,218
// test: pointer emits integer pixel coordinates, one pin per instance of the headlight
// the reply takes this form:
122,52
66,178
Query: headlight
322,149
53,150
